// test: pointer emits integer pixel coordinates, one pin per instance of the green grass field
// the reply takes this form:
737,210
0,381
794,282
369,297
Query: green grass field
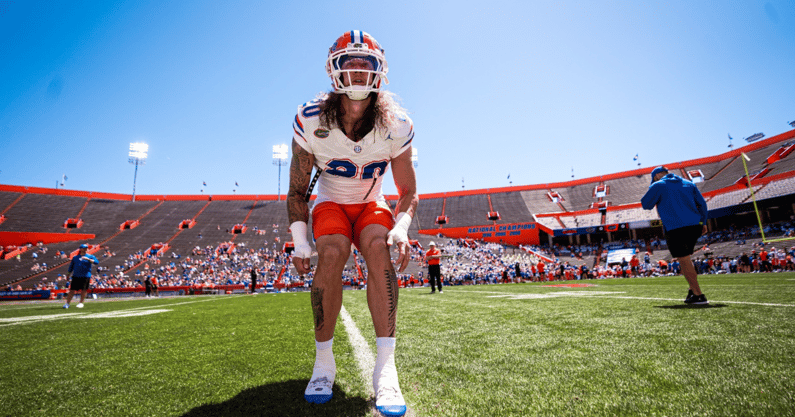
622,347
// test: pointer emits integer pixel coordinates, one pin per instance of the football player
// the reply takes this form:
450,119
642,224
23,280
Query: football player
353,134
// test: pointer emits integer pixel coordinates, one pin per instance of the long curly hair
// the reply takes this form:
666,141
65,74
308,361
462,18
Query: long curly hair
380,114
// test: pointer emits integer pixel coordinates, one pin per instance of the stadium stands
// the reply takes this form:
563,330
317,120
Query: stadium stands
429,209
709,169
578,197
511,207
467,210
44,210
776,189
630,215
7,199
537,202
734,168
102,217
549,222
628,190
41,213
731,198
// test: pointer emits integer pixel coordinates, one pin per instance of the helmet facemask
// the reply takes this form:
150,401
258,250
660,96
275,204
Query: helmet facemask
361,65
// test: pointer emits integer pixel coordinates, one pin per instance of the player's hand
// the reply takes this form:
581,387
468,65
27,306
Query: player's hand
301,255
403,257
399,236
400,239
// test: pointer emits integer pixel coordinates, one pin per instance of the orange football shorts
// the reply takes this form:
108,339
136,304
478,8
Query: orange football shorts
330,218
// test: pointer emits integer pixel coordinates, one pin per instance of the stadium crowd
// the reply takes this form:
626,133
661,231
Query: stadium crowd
466,262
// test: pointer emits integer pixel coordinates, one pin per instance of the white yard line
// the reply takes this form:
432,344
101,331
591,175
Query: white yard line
361,350
13,321
711,301
364,357
600,294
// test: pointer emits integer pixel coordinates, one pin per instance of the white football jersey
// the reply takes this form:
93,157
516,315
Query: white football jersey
352,171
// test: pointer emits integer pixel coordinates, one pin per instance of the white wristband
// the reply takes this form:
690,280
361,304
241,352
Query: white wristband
298,230
403,221
399,233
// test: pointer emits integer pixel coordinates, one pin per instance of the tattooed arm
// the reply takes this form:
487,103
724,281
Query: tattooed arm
297,207
300,173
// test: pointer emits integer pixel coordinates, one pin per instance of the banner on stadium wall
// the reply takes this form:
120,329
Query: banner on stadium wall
618,255
511,233
25,295
592,229
640,224
644,224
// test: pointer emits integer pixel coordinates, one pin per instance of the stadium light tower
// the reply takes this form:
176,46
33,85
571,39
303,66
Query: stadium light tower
138,153
280,159
414,158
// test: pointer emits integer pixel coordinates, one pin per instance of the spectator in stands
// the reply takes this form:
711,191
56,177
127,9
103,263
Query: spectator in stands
350,207
433,257
683,212
80,272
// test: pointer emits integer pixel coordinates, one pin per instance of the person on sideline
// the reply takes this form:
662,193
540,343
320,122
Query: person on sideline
353,134
253,280
80,272
683,212
433,257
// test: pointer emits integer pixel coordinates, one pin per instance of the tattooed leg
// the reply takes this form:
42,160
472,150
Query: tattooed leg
392,299
317,307
382,286
333,251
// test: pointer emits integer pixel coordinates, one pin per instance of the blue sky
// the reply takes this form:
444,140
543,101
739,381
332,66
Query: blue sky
530,89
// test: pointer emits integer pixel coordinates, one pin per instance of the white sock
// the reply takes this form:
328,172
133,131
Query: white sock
324,361
385,361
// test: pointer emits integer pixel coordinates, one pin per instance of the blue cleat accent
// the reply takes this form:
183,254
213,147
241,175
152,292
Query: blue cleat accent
392,410
318,399
319,391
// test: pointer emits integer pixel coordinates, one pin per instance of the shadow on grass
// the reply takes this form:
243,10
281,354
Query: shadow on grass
692,307
283,399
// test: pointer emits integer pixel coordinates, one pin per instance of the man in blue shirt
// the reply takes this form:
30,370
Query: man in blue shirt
80,272
683,212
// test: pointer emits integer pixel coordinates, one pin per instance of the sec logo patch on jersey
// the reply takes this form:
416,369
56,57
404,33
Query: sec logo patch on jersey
321,133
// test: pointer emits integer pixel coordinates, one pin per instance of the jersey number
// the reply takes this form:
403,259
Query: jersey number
347,169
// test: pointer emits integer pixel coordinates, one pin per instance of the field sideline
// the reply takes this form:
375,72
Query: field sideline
620,347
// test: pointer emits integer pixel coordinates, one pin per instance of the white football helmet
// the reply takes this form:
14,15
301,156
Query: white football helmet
360,50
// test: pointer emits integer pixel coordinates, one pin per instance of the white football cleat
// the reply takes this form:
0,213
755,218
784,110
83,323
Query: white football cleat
319,390
389,399
79,305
